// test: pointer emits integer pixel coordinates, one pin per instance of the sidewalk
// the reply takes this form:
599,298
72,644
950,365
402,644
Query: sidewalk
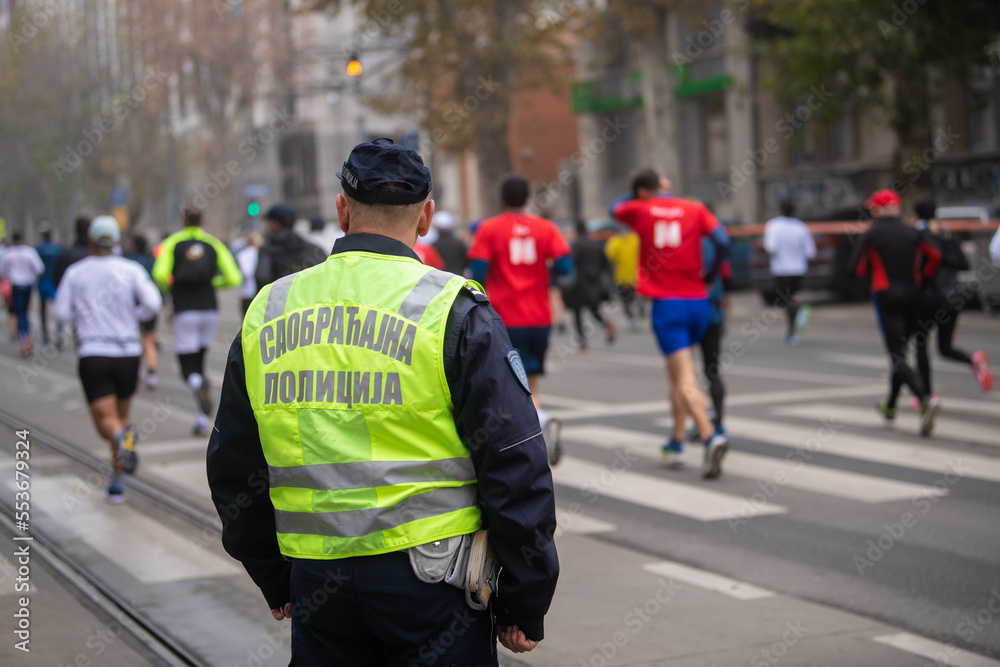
609,610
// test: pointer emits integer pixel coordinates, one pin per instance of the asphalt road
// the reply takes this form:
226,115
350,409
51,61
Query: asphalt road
925,556
818,502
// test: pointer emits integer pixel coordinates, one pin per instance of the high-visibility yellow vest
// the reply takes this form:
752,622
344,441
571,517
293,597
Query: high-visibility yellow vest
345,373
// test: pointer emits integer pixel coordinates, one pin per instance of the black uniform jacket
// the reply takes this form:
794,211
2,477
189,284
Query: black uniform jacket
494,417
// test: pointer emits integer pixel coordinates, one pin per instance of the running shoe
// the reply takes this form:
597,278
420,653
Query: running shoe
26,347
115,492
127,455
152,380
673,452
715,451
792,341
553,443
928,413
888,414
203,396
981,369
609,329
802,317
915,402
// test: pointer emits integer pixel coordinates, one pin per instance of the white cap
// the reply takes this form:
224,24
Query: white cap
443,220
104,231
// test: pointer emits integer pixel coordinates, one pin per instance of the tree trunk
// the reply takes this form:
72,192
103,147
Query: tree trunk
917,147
492,143
660,105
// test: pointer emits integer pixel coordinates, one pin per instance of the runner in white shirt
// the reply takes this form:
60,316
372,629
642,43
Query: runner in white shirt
105,297
246,259
791,246
22,266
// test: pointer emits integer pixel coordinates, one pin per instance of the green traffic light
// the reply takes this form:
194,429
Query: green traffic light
253,209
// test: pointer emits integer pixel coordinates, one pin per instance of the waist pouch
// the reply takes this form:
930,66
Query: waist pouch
464,561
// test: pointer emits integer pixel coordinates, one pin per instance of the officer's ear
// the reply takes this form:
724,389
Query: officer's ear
426,214
343,213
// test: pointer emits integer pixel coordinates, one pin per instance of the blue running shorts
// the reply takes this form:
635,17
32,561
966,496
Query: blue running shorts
531,343
680,323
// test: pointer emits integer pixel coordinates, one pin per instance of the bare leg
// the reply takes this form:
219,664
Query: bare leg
105,412
123,405
149,350
680,368
680,412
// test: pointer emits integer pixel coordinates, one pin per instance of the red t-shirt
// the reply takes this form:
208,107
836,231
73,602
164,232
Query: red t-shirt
670,232
429,255
518,247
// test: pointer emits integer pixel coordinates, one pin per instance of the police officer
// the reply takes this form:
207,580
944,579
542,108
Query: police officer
373,410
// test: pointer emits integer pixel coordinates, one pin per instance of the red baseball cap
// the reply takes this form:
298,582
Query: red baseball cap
883,198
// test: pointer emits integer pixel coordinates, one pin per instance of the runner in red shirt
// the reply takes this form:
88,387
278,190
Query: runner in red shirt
670,273
510,255
429,255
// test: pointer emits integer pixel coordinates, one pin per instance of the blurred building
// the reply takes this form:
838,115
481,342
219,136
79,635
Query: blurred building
741,150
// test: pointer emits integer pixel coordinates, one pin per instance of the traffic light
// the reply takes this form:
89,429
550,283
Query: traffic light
253,209
354,67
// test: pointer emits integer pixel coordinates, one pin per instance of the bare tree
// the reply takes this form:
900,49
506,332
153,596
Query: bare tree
463,61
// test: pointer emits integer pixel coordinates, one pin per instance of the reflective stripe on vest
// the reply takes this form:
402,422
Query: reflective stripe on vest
345,373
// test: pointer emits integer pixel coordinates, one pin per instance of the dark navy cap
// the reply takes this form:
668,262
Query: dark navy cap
372,167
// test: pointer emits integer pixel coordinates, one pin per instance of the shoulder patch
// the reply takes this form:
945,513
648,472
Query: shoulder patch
477,295
517,367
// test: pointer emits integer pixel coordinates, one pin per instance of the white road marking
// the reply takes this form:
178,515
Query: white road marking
177,446
848,445
881,362
794,473
941,654
575,523
187,474
693,502
707,580
146,549
595,410
649,361
906,421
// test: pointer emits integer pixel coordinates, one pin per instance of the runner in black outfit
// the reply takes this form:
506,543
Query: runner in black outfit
898,258
942,303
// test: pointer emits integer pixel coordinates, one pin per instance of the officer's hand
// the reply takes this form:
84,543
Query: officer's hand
512,637
281,613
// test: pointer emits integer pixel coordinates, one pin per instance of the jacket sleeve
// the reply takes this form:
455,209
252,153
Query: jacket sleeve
61,265
857,261
62,306
262,274
933,256
229,270
495,417
147,297
238,478
163,267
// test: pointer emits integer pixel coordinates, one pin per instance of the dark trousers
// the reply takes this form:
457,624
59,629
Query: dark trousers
372,611
898,321
786,287
710,345
946,323
21,299
595,310
627,295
